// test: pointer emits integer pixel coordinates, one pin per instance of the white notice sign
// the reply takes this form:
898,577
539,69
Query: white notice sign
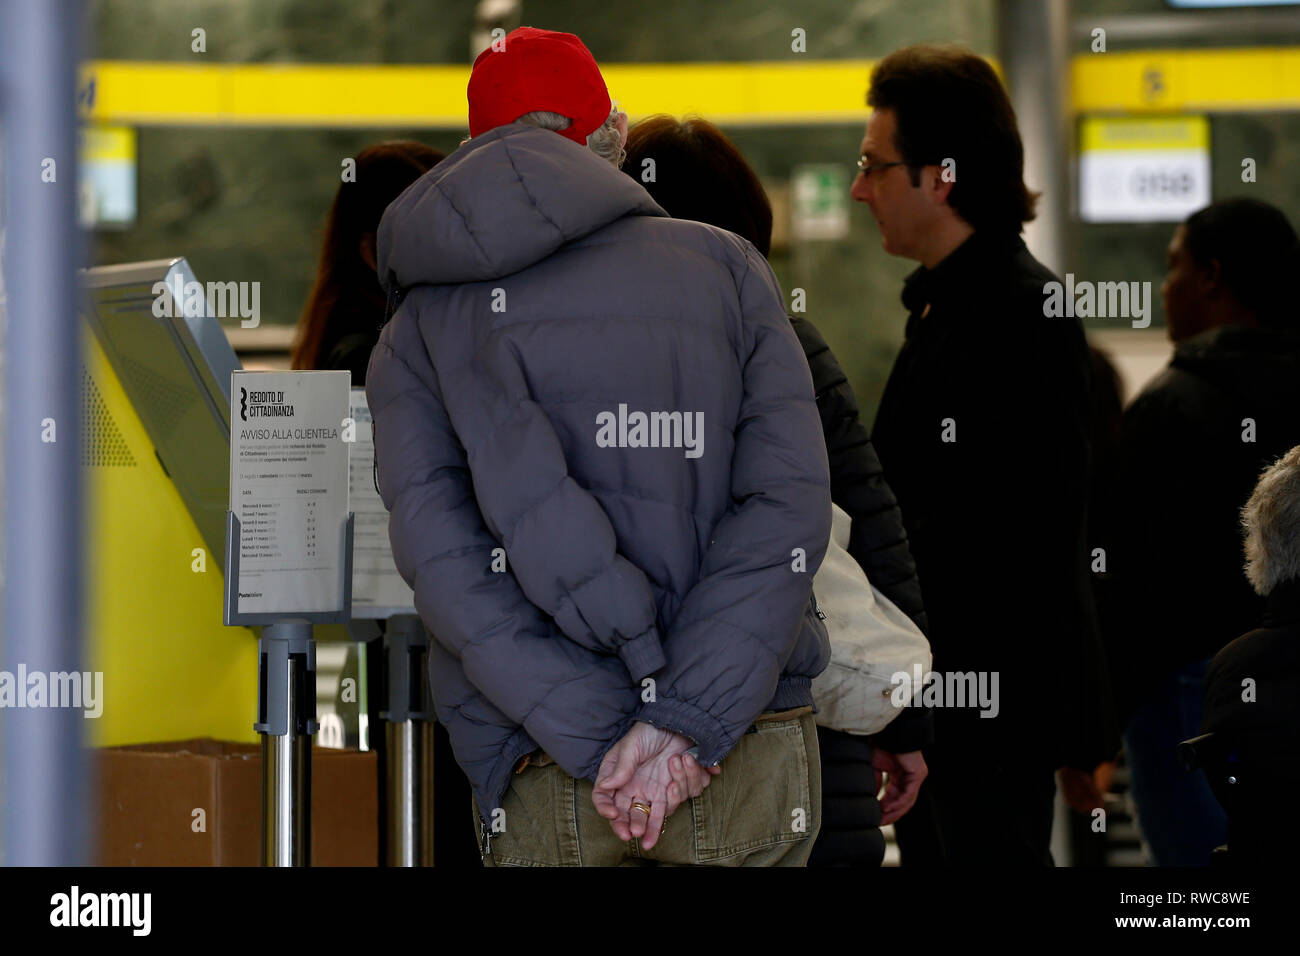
289,488
377,589
1143,169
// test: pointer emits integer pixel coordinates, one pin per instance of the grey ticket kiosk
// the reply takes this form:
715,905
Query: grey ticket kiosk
175,363
176,370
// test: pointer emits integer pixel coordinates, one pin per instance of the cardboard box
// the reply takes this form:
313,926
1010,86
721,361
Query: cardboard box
147,794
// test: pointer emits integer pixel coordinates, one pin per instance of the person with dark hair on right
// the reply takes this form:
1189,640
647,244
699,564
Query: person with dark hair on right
1192,445
701,175
983,429
1252,687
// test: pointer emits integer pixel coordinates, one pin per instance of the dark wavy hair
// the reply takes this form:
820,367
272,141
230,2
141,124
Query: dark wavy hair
700,175
1258,255
383,172
949,104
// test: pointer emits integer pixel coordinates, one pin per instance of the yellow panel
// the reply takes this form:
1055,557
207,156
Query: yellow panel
104,143
815,91
153,93
1100,133
348,95
1266,78
171,669
274,94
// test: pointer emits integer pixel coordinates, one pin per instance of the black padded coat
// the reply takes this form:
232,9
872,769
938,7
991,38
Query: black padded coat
850,833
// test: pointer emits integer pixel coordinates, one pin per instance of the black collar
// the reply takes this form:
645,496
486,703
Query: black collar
952,276
1282,606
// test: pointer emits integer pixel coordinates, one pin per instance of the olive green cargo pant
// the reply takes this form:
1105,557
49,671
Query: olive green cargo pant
764,809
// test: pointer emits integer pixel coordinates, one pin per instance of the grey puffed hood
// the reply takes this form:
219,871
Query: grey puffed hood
544,191
597,440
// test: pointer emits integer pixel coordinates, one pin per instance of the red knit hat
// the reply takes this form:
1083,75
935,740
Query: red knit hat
538,70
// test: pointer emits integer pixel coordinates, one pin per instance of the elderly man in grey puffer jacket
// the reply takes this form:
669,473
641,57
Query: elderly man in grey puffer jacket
596,434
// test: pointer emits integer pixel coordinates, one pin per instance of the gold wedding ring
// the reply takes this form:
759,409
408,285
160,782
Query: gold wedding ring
643,807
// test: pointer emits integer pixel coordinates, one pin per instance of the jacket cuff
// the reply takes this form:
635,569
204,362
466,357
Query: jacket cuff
643,654
689,721
911,730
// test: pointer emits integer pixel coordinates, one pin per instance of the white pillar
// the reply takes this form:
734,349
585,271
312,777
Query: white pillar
1033,48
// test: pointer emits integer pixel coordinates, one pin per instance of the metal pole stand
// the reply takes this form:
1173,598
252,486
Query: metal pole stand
286,673
410,743
286,707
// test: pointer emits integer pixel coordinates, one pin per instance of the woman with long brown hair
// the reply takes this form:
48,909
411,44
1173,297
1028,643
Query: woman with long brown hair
338,329
340,323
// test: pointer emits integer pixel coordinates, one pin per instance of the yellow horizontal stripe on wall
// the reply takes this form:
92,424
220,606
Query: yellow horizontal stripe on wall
818,91
169,94
434,96
755,93
1266,78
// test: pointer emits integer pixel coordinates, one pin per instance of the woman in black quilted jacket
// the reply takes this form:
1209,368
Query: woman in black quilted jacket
700,175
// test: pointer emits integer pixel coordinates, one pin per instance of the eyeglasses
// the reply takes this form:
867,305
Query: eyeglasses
867,168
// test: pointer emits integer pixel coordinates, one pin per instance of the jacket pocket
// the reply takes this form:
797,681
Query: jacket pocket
762,797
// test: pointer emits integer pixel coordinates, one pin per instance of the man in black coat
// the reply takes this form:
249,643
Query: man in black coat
1193,444
983,431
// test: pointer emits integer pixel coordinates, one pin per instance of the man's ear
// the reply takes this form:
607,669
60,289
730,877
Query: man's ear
1212,277
366,249
936,186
